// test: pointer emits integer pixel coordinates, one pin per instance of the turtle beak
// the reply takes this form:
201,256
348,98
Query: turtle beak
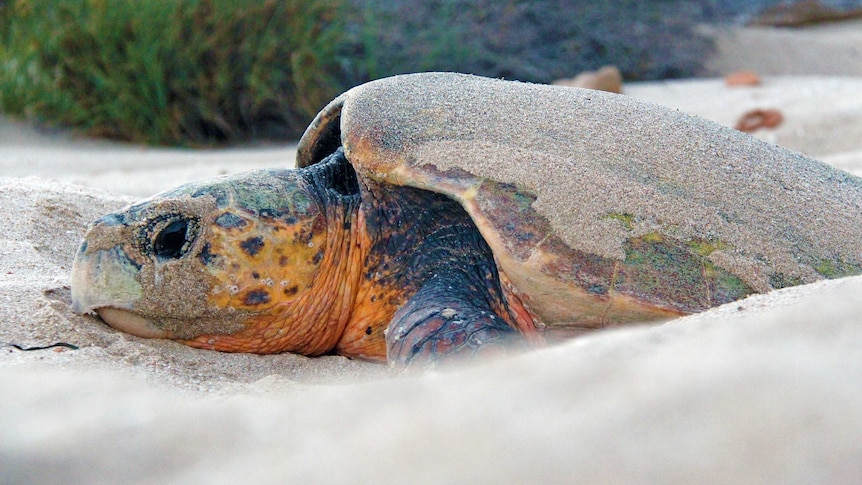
104,281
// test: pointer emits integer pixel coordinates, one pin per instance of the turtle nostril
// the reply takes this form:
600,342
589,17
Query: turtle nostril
170,241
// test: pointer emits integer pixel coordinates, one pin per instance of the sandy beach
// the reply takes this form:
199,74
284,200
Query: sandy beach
761,390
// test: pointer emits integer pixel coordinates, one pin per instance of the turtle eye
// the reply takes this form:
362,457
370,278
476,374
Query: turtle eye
171,240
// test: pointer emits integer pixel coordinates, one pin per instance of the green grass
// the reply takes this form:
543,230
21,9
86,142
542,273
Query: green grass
202,72
168,71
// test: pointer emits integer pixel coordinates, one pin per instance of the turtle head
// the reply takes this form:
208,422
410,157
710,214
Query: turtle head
220,264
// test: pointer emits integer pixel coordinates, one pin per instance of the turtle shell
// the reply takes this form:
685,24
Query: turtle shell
602,209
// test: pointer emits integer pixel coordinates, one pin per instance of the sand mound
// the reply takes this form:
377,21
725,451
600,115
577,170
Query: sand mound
765,389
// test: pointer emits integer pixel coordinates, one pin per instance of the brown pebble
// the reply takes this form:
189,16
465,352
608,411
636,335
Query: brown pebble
742,79
759,118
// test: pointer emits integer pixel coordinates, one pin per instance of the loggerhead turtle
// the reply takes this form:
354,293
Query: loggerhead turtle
437,215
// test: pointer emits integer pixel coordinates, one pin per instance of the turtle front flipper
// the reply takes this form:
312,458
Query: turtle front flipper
445,321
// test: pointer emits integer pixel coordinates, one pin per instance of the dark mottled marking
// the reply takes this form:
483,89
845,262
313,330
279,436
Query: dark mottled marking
318,257
283,261
230,220
291,291
269,213
255,275
256,297
252,245
119,254
219,193
368,331
597,289
206,257
308,237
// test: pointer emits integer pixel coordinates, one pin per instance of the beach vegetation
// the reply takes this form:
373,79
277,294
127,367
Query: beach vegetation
535,41
194,72
203,72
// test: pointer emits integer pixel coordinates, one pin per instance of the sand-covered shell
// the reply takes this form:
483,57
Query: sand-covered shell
602,209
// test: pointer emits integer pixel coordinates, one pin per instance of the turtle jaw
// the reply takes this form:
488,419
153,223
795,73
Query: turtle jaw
130,322
104,282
